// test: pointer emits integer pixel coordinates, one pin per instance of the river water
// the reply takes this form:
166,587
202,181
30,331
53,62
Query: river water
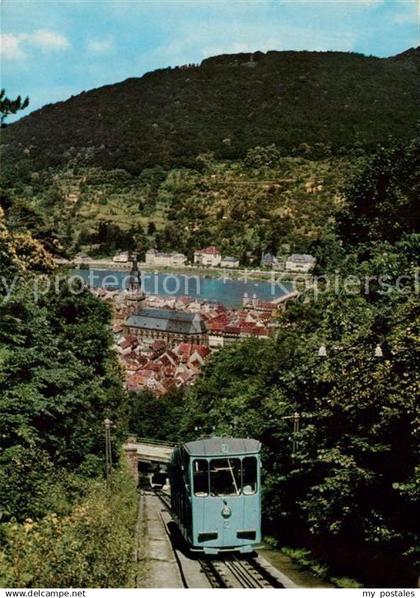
222,290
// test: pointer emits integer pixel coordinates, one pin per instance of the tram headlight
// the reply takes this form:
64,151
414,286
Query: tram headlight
226,512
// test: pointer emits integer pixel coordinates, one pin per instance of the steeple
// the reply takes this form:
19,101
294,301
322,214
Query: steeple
135,296
134,280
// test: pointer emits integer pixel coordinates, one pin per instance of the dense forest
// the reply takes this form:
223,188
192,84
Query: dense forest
59,379
306,103
113,170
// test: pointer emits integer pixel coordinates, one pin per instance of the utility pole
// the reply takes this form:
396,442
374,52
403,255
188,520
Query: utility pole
108,450
296,427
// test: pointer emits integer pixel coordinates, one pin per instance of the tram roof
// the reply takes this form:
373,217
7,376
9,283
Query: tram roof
214,447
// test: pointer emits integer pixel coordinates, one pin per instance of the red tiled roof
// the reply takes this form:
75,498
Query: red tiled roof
211,250
155,367
158,345
260,332
217,326
125,344
168,359
246,326
202,350
185,348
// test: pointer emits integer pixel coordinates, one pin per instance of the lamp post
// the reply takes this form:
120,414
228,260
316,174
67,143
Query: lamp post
108,449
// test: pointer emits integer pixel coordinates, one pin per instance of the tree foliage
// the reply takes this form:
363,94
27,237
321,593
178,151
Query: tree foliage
306,103
350,483
383,203
58,380
8,106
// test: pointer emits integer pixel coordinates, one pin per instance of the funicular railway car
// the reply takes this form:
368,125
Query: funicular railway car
215,494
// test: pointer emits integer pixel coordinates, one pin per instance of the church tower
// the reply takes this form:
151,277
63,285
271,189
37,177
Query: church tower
135,297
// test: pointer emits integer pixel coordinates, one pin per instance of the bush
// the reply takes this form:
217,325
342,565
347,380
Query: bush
92,546
305,560
345,582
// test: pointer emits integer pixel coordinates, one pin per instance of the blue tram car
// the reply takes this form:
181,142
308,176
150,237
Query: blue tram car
216,494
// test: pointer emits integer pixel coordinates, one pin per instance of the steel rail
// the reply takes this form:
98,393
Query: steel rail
230,571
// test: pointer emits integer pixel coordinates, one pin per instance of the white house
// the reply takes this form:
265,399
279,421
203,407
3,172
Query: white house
229,262
121,257
300,262
210,256
160,258
178,259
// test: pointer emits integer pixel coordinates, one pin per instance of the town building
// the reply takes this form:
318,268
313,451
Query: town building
210,256
123,257
300,262
229,262
168,325
162,259
269,261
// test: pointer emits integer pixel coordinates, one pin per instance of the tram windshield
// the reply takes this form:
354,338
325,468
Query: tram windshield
225,477
228,477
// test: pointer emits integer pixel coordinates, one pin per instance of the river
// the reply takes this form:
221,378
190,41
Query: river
222,290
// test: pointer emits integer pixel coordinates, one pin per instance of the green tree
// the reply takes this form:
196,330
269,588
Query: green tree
58,379
382,203
8,106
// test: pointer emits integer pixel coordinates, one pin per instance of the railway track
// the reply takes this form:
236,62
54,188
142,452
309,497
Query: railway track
230,571
238,572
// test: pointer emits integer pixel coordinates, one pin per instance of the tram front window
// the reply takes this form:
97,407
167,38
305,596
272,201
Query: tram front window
201,477
249,475
225,477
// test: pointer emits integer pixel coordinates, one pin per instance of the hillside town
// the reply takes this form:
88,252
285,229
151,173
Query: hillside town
163,342
212,257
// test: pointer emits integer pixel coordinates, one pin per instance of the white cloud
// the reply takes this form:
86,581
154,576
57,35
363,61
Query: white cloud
11,47
48,40
15,46
100,46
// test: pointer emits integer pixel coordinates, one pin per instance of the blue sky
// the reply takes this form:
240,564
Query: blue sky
53,49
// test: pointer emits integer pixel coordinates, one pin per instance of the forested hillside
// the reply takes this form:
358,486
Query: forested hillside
246,207
310,103
59,379
250,153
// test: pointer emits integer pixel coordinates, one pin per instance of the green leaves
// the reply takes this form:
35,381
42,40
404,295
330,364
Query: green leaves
89,543
8,106
58,381
382,204
352,478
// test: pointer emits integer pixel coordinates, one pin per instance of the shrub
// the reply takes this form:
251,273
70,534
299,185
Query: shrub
345,582
92,546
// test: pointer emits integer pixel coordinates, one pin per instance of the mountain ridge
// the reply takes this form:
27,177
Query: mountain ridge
302,102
